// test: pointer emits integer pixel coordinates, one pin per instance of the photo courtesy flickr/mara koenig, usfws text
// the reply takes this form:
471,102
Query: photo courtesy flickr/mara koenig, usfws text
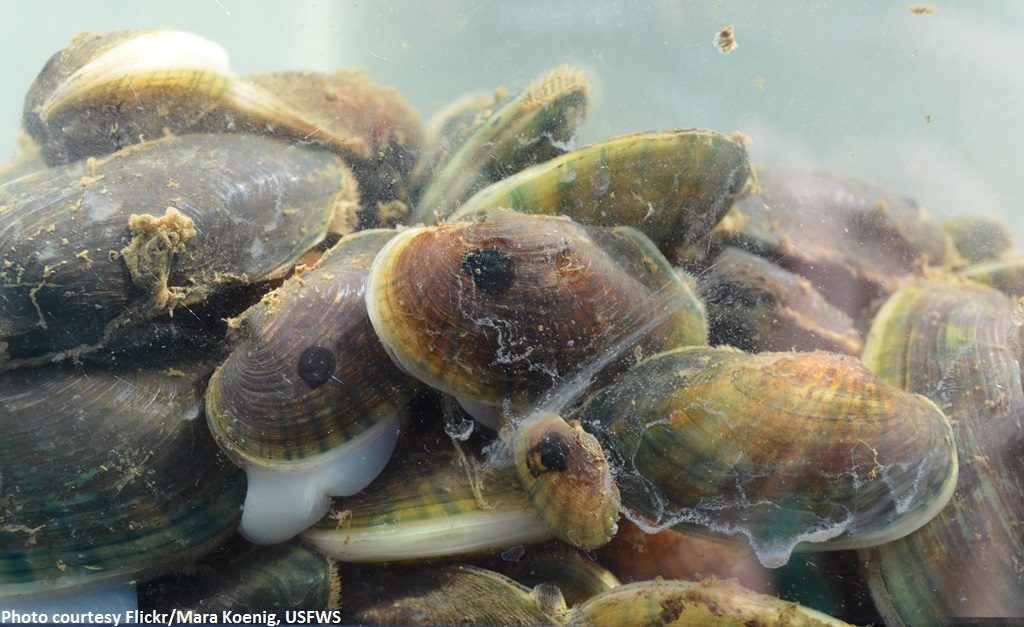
174,617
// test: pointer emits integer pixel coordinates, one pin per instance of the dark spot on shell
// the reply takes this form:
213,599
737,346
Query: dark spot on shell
490,268
316,365
671,610
547,455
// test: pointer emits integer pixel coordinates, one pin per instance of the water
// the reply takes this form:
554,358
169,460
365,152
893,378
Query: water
925,104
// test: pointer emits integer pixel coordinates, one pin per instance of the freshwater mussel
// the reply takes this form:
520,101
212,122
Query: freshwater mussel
109,475
572,333
959,343
308,401
94,246
105,92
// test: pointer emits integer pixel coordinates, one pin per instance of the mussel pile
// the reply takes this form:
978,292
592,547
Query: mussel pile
267,342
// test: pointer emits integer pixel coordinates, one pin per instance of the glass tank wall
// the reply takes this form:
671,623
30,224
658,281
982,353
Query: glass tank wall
798,369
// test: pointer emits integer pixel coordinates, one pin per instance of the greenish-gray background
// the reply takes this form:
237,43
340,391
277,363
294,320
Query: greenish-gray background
926,104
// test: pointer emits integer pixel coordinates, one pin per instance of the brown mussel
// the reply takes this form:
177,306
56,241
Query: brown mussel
308,401
756,305
849,237
502,307
109,91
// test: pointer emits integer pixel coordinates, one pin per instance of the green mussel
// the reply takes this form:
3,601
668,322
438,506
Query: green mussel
805,451
958,343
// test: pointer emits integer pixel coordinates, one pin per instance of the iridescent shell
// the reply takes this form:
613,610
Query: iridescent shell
242,577
674,186
678,603
805,451
958,343
504,307
430,504
538,124
755,305
308,402
108,475
93,246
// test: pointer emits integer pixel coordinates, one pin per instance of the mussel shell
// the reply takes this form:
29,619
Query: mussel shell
91,246
107,473
979,239
451,595
708,602
792,450
566,475
449,127
430,504
953,340
244,577
576,574
755,305
308,373
849,237
1006,275
108,91
674,185
536,125
369,125
504,307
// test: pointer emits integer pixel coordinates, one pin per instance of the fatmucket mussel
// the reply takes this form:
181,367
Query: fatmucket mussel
94,246
108,475
791,450
500,138
501,309
432,501
672,185
105,92
308,402
958,343
849,237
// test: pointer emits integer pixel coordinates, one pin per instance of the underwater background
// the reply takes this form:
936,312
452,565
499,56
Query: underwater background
923,98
